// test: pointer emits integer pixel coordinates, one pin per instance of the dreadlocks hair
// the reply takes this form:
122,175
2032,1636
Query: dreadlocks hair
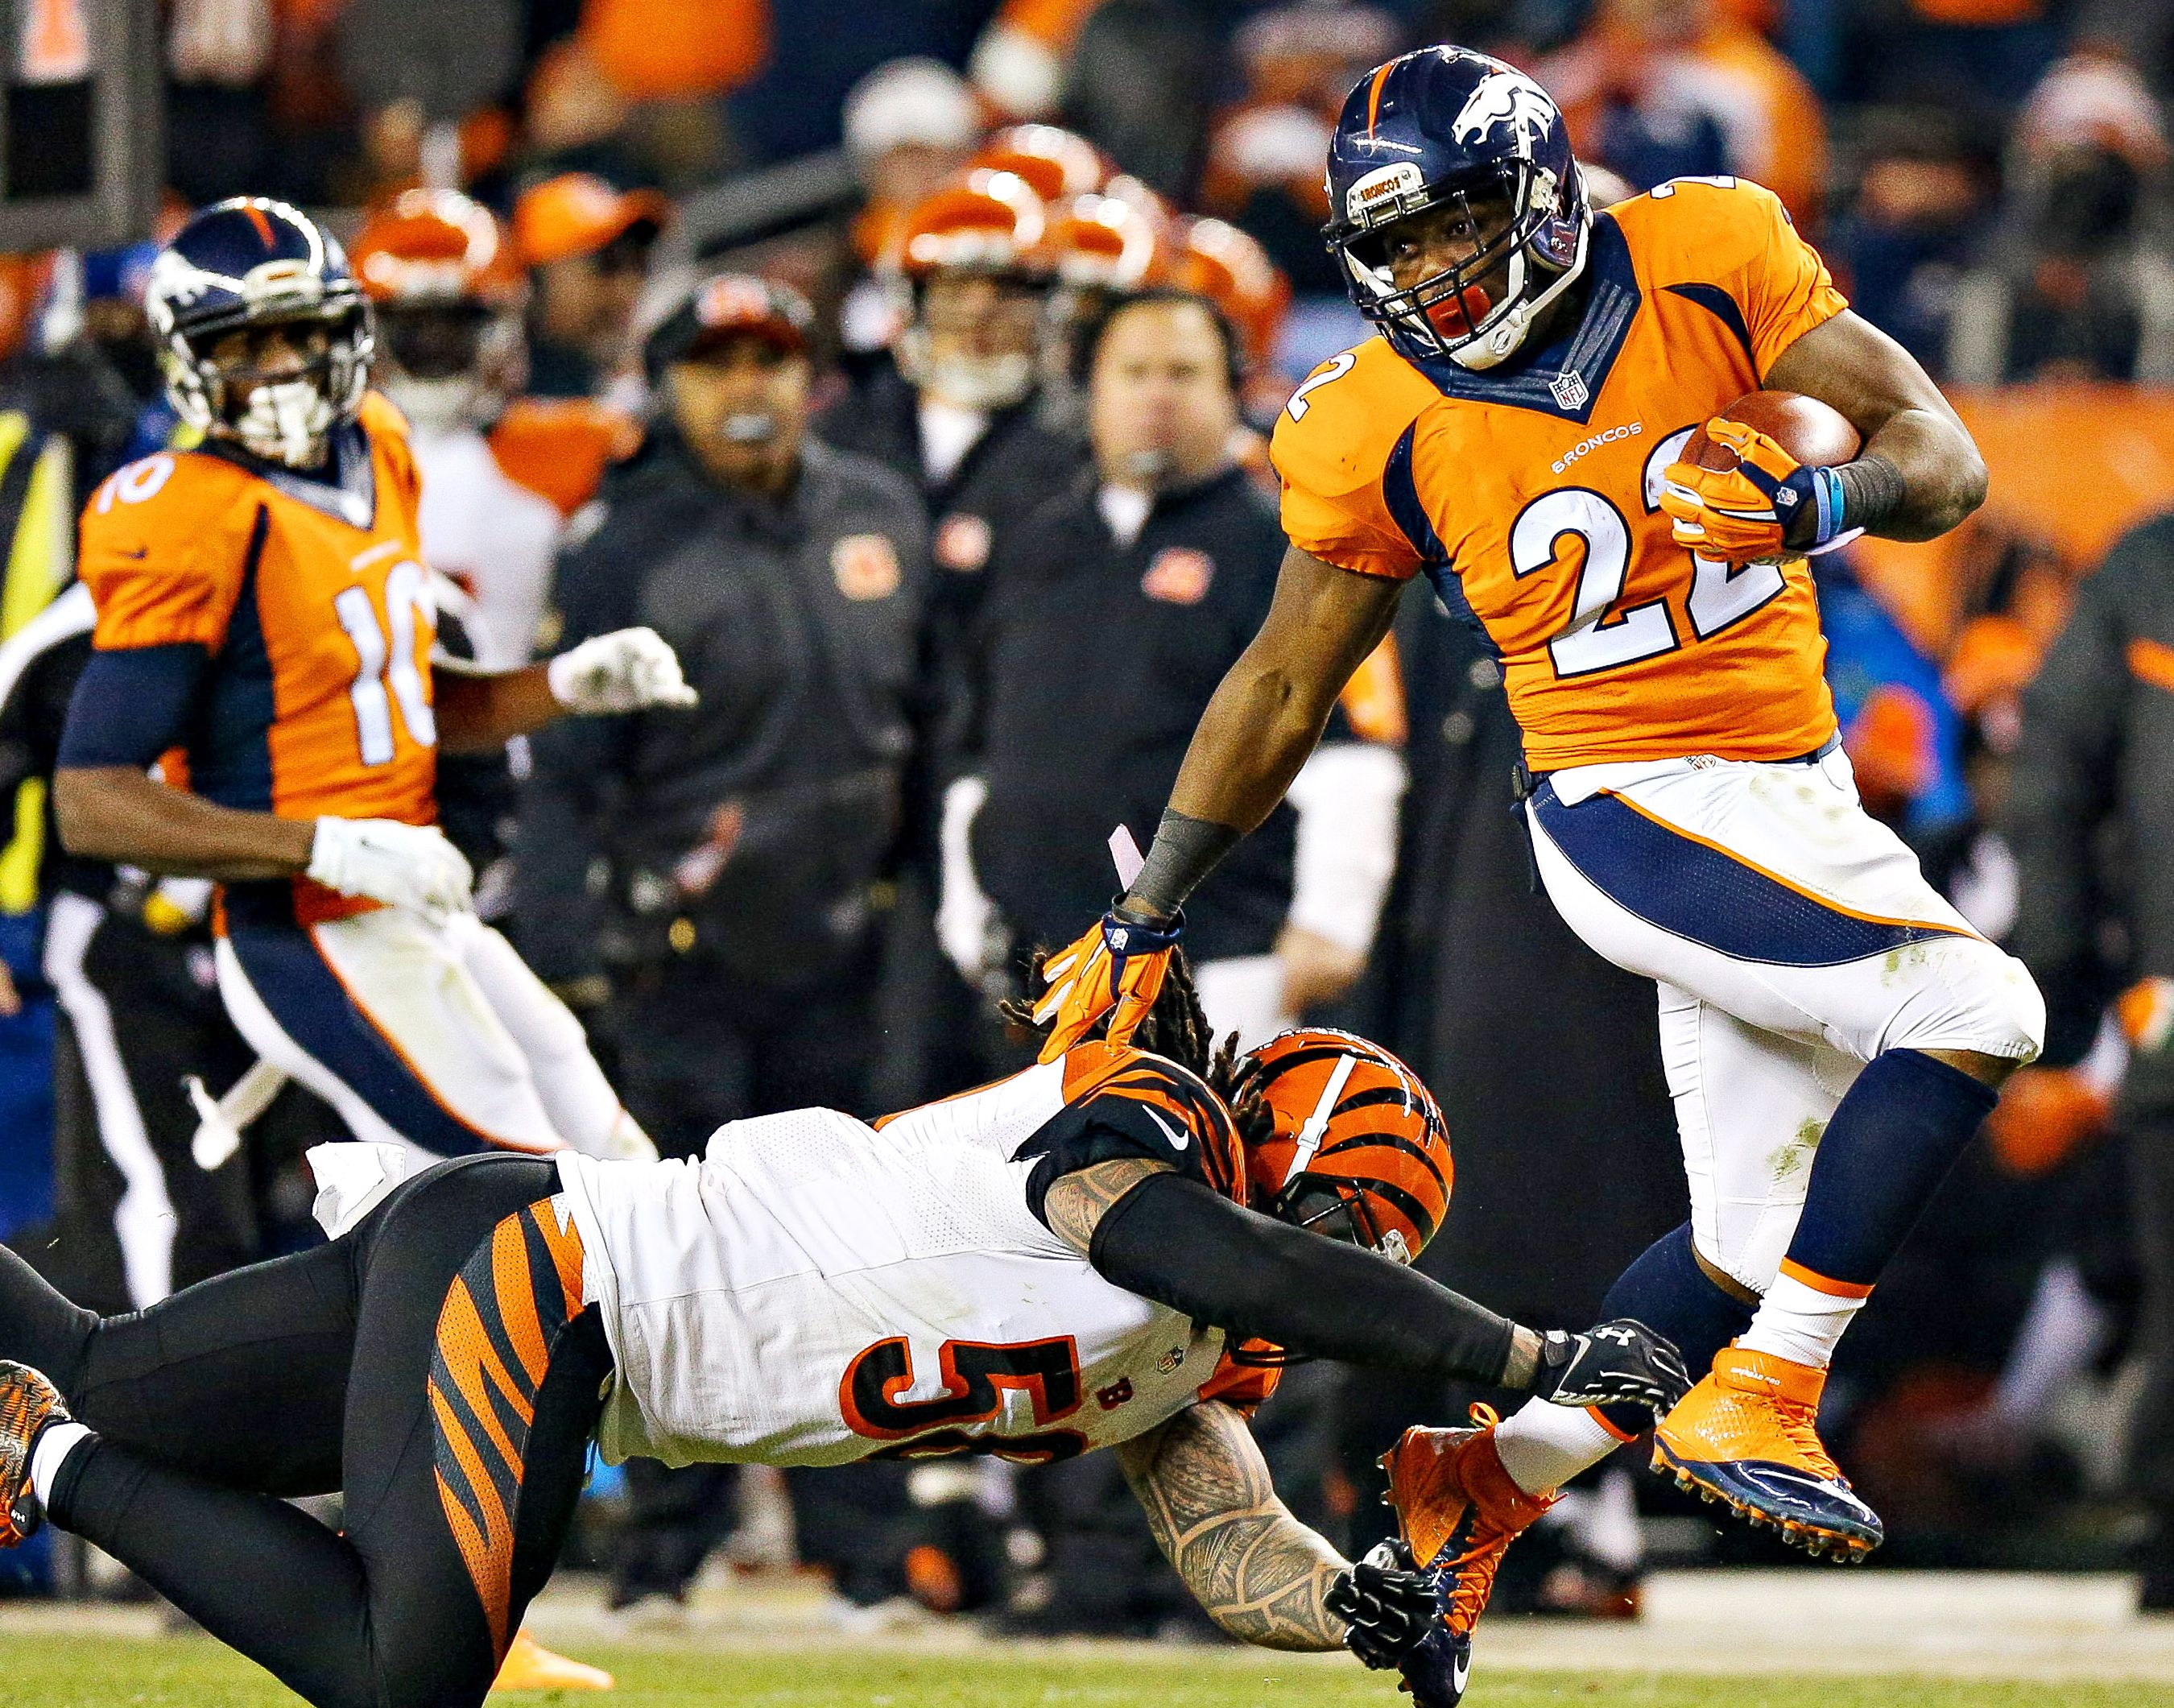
1176,1029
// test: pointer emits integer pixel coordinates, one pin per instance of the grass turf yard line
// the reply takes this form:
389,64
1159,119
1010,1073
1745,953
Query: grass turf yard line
194,1673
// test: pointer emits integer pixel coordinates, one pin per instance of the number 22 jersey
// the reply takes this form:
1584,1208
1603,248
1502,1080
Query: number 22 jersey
815,1290
301,609
1529,493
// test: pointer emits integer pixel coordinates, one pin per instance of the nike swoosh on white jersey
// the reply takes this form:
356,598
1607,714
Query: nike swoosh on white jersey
1178,1140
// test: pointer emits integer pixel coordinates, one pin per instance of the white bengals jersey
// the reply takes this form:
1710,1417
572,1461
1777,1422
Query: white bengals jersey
492,535
816,1290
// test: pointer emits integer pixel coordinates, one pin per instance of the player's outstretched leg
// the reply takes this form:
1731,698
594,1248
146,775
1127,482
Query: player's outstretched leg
462,1463
1458,1510
254,1571
1748,1434
238,1380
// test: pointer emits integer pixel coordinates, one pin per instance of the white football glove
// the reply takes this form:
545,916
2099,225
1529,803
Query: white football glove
964,911
410,866
624,670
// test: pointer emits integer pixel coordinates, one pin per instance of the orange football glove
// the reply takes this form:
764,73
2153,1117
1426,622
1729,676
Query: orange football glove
1738,515
1115,965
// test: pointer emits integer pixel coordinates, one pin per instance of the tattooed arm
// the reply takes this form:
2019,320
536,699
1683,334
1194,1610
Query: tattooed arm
1261,1574
1258,1571
1075,1204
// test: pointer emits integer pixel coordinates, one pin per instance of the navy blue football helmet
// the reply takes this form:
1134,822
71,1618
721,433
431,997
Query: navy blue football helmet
250,261
1440,126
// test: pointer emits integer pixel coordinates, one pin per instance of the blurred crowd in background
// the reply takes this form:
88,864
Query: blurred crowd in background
925,347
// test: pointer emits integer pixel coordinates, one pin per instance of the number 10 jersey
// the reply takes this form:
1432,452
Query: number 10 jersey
309,594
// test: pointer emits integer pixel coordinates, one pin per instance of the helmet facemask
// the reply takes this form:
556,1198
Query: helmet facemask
1478,312
1340,1211
449,365
284,417
966,379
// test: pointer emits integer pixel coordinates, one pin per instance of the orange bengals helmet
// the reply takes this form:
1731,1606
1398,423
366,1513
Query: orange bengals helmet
1098,242
987,222
1360,1152
436,246
1056,163
449,292
1229,267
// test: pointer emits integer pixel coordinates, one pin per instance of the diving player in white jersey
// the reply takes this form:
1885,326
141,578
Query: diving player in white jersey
1112,1249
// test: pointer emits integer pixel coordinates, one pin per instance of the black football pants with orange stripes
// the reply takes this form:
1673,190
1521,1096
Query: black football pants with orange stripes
436,1366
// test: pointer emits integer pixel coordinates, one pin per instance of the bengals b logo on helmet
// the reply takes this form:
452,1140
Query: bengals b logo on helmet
1360,1151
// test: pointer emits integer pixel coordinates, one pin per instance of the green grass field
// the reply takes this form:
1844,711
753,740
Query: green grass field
107,1672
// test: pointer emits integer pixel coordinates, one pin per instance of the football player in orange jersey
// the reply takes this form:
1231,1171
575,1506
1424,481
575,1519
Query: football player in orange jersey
265,623
1832,1029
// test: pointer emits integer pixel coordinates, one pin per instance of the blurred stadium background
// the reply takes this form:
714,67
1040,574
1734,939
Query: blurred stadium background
1990,180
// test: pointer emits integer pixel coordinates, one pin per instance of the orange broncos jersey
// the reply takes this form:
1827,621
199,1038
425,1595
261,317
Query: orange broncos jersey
1528,493
312,601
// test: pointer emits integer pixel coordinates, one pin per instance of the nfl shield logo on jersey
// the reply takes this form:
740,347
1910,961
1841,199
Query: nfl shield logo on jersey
1570,391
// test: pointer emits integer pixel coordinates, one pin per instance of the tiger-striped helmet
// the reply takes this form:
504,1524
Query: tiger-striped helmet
1359,1153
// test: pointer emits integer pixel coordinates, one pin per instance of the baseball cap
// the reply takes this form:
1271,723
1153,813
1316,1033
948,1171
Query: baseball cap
578,213
726,304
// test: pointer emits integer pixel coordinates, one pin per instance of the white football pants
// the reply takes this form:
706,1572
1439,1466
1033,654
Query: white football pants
438,1036
1793,938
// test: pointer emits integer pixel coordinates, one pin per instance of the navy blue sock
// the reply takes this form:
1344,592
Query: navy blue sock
1666,1290
1889,1145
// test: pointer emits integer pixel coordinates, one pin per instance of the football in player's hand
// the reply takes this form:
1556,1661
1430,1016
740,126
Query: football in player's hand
1817,434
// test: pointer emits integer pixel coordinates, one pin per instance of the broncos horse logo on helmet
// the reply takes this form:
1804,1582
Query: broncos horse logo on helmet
246,263
1445,125
1510,97
1360,1151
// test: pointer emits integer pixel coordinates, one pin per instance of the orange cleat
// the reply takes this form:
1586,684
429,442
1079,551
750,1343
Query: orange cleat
1458,1510
1747,1434
28,1403
529,1666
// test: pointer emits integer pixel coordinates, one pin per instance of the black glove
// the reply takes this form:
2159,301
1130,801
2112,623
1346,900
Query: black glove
1387,1606
1610,1364
1394,1617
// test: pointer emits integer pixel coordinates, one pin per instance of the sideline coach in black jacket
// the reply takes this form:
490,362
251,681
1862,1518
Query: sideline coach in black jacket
1111,612
714,873
717,869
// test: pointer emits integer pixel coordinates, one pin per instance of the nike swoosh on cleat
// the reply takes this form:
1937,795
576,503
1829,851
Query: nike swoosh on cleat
1460,1670
1810,1493
1784,1493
